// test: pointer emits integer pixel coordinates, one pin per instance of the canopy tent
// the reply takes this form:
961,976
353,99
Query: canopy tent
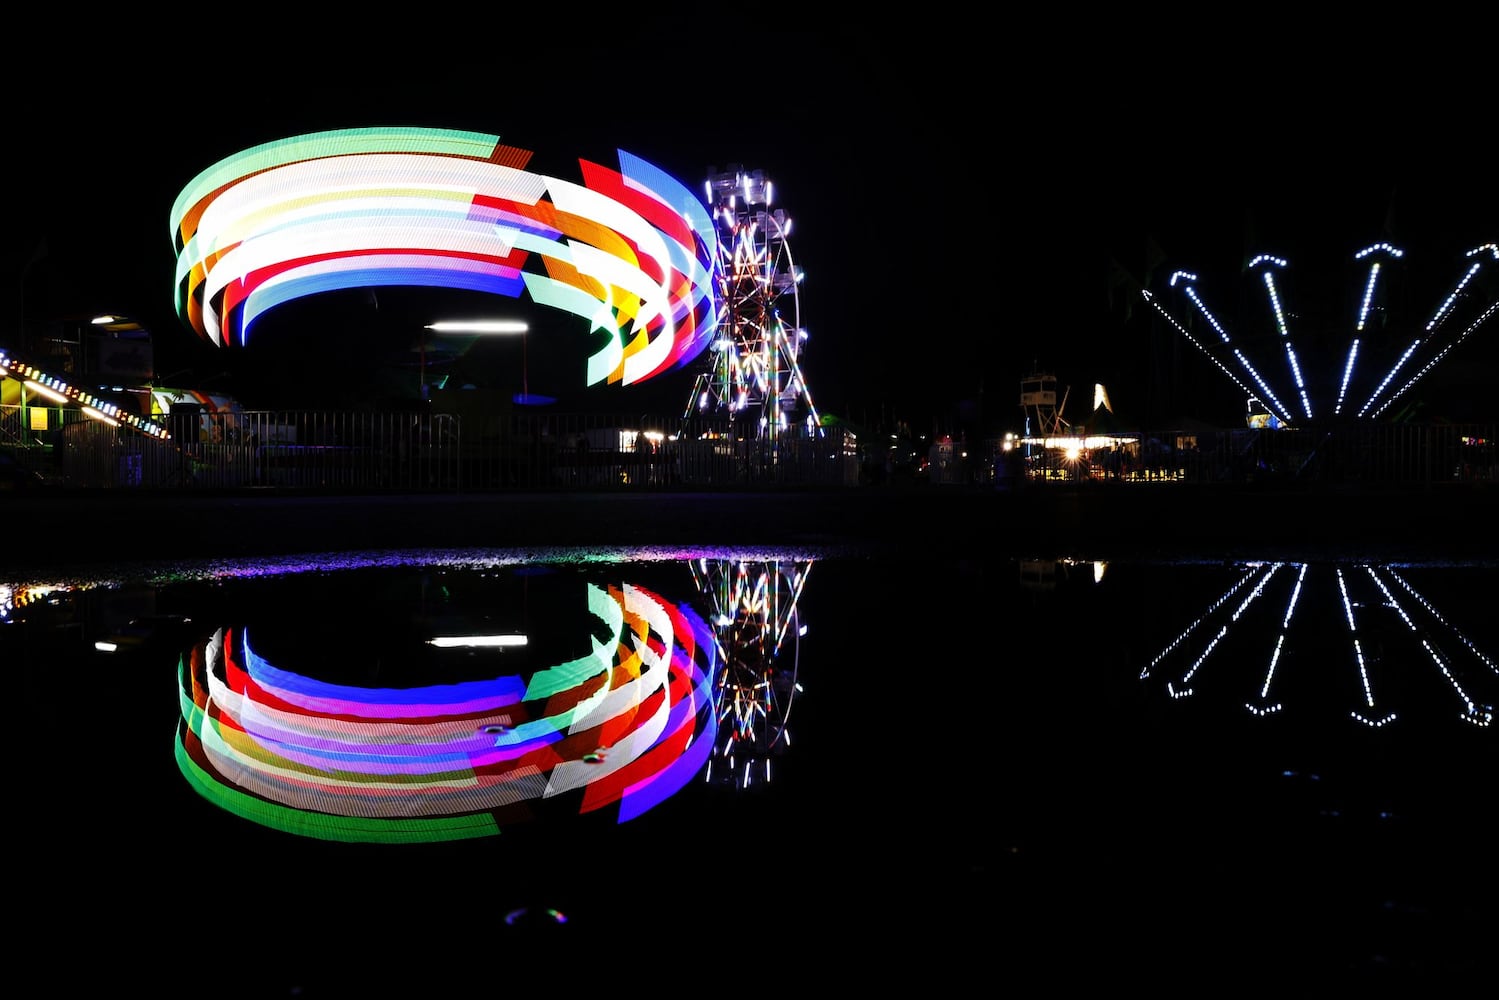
1103,423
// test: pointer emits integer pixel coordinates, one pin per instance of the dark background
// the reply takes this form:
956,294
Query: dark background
974,196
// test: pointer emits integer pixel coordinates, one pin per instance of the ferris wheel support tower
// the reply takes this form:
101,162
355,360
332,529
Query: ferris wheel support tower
754,369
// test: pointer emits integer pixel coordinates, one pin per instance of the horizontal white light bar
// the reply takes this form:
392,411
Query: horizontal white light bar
479,326
452,641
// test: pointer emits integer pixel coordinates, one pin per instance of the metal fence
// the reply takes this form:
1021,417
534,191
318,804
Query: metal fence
367,451
373,451
1358,454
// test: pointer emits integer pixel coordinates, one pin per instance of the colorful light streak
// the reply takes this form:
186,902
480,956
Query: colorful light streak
632,251
63,393
623,726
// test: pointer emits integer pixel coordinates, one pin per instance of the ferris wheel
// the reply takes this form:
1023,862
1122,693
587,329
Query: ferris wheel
757,630
754,369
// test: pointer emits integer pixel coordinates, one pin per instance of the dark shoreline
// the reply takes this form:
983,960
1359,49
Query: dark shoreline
1169,521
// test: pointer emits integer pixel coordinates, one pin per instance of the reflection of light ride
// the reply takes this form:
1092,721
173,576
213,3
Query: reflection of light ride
1391,630
624,726
1044,574
753,368
758,632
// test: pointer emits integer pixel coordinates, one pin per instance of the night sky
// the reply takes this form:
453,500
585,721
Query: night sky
971,200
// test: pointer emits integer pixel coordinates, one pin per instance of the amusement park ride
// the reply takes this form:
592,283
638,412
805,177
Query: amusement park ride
1356,373
753,369
1038,397
1353,373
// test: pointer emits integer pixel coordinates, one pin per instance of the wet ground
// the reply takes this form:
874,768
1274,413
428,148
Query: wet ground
977,758
1096,520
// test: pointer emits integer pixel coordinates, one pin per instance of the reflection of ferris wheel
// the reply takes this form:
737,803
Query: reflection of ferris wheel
754,368
758,631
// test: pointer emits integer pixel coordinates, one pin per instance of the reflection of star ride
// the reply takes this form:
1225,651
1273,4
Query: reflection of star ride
626,724
758,633
1387,633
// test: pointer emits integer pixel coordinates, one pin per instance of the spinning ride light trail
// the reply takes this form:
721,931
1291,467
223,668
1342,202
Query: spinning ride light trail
1354,369
754,369
631,251
624,726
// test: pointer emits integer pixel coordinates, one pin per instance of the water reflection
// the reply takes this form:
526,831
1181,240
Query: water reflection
472,744
371,701
1366,629
757,629
1345,639
597,694
998,760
